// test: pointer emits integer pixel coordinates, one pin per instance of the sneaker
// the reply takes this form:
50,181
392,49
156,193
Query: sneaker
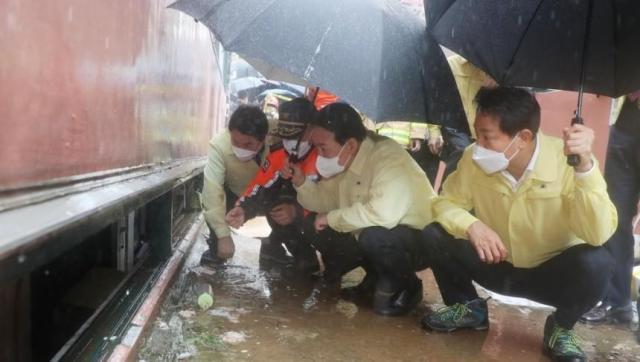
605,313
561,343
473,314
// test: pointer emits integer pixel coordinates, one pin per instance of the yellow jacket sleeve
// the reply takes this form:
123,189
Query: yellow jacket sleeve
434,130
319,196
387,203
451,208
214,203
591,214
418,131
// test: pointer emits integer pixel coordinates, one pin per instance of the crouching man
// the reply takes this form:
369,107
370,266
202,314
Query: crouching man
372,188
516,219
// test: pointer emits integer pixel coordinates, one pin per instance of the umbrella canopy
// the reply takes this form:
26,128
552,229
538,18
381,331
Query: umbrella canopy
543,43
444,105
244,83
368,52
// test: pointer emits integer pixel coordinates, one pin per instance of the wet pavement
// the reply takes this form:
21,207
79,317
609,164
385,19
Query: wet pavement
269,313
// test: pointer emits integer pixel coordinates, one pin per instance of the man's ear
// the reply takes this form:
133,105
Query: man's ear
352,144
527,135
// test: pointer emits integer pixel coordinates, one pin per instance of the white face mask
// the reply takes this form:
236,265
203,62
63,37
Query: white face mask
328,167
242,154
290,146
492,161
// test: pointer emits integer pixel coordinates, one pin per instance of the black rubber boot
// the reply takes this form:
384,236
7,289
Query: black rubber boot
274,252
399,302
210,256
363,292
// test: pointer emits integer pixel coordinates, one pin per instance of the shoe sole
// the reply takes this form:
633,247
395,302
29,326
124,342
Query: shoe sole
449,330
609,320
547,352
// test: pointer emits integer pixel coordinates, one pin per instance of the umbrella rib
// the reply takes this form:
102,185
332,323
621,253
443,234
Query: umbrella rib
513,56
310,68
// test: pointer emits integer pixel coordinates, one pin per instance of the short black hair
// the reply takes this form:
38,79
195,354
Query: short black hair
343,121
298,110
514,108
250,121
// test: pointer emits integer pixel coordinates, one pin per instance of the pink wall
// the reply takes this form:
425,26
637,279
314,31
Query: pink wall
89,85
557,110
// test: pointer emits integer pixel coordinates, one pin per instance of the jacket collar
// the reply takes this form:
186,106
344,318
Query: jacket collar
361,158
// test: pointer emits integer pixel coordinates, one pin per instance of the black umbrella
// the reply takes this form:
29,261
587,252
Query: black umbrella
578,45
368,52
444,105
543,43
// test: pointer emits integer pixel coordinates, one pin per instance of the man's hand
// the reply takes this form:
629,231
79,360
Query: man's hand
488,244
416,145
226,248
321,222
235,217
294,172
283,214
435,145
578,140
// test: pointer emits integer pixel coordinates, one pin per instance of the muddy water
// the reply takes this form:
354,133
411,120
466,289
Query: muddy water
269,313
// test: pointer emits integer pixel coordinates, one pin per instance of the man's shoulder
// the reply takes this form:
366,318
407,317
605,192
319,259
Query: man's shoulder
386,151
551,146
550,141
221,140
381,142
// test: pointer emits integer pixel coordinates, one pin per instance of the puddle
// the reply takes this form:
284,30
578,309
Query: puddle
270,313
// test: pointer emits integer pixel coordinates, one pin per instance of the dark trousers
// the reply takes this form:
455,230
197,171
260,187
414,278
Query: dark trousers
293,237
622,173
289,235
455,143
212,241
572,281
340,252
393,256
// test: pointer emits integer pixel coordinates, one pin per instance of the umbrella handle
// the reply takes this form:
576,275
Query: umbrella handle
574,160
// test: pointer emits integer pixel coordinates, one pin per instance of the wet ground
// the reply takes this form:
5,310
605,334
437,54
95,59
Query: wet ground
268,313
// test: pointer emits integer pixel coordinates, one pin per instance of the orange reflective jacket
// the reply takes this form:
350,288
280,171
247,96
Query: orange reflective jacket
268,188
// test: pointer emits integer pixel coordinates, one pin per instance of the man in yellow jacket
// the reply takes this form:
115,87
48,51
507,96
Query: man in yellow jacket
370,187
516,219
234,158
446,143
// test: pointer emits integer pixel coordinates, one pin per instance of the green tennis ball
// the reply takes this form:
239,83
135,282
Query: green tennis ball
205,301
